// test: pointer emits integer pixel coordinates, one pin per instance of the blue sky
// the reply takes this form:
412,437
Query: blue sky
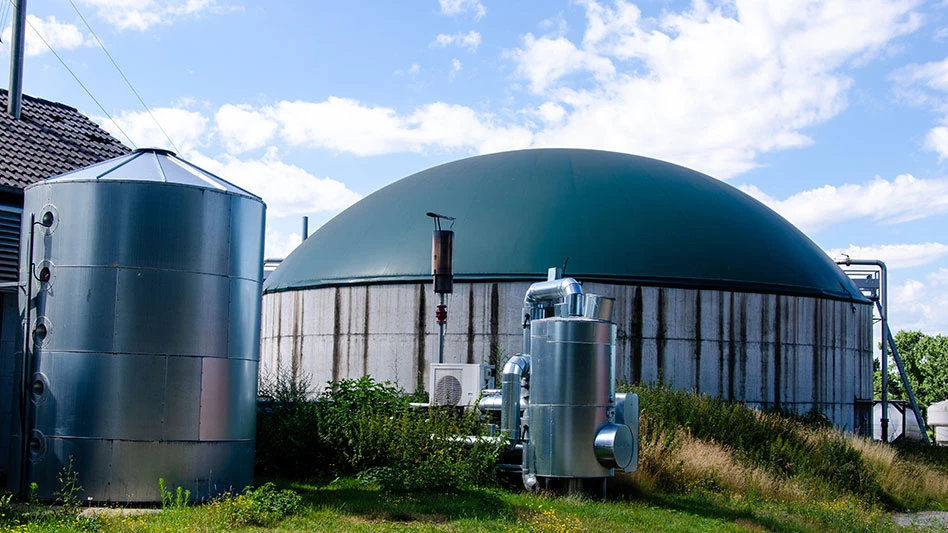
834,113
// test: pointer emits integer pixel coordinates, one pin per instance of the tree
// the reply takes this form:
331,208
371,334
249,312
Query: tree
926,365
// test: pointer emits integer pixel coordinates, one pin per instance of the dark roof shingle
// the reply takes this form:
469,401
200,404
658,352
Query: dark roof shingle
49,139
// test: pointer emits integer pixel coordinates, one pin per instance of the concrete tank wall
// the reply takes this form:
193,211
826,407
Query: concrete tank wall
793,352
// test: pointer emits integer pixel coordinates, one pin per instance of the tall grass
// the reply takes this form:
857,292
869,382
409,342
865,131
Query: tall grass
696,442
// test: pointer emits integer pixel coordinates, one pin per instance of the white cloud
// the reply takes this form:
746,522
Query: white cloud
142,14
188,129
920,305
347,125
455,65
470,40
895,255
933,75
903,199
545,60
457,7
288,190
241,128
59,35
279,245
937,141
709,88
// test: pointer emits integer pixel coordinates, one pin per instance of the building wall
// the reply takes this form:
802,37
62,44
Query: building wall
793,352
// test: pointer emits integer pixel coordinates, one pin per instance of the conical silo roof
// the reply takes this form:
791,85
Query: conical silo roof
152,165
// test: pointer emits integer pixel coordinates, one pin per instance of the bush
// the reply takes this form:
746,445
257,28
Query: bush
257,507
361,425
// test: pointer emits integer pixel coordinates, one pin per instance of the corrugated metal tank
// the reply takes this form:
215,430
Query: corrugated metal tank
144,319
714,291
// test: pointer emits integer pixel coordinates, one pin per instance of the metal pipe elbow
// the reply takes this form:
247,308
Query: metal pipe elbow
515,370
557,289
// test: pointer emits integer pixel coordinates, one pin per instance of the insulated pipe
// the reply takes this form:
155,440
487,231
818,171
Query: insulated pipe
551,291
514,371
565,289
883,310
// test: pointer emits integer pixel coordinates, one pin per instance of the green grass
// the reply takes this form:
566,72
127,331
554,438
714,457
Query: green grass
350,505
705,465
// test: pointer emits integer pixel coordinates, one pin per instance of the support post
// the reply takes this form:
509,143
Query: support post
17,48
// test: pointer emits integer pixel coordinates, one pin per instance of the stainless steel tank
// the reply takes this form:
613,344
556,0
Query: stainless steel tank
572,394
143,315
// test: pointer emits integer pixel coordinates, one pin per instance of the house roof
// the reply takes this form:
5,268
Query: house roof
48,140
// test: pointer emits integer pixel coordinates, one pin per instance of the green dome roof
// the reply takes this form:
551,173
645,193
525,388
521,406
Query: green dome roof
617,218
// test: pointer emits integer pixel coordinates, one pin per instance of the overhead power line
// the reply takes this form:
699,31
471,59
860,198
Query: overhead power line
127,82
84,88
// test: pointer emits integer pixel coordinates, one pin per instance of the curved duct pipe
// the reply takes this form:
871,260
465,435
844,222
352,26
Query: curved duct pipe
565,289
515,370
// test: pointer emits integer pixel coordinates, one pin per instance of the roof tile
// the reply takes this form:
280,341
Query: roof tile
49,139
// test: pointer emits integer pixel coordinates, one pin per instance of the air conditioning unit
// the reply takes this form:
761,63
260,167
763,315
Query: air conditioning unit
458,384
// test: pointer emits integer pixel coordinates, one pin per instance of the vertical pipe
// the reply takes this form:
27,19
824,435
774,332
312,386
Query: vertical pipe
883,309
24,364
15,95
305,228
441,324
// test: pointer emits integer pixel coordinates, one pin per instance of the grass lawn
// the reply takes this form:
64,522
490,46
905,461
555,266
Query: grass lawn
349,505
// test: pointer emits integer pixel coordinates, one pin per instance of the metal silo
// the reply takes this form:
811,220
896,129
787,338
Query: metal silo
143,319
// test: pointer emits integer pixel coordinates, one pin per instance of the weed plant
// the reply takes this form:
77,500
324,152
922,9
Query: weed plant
364,427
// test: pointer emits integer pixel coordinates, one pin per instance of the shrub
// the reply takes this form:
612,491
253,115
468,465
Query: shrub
361,425
257,507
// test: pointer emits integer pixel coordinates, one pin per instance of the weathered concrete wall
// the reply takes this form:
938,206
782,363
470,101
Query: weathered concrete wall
767,350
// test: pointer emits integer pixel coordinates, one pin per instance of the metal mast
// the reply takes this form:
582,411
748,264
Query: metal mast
15,95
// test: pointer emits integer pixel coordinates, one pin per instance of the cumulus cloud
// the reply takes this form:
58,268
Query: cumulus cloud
457,7
347,125
60,36
143,14
889,202
287,189
927,85
895,255
187,129
937,141
920,304
279,245
545,60
241,128
710,87
470,40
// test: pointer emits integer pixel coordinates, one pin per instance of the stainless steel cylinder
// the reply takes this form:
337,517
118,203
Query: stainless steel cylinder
146,366
572,394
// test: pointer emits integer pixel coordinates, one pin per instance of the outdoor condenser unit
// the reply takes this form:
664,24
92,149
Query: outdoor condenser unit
569,422
458,384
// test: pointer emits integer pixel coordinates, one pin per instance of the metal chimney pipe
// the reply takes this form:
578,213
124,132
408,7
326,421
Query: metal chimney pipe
15,95
305,228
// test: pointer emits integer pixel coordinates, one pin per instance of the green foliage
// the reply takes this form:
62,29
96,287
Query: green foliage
257,507
173,500
926,365
361,425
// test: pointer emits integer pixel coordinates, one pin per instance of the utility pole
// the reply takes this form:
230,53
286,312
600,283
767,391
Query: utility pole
15,94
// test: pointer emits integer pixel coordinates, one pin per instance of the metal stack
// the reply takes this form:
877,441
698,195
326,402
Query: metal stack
142,311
